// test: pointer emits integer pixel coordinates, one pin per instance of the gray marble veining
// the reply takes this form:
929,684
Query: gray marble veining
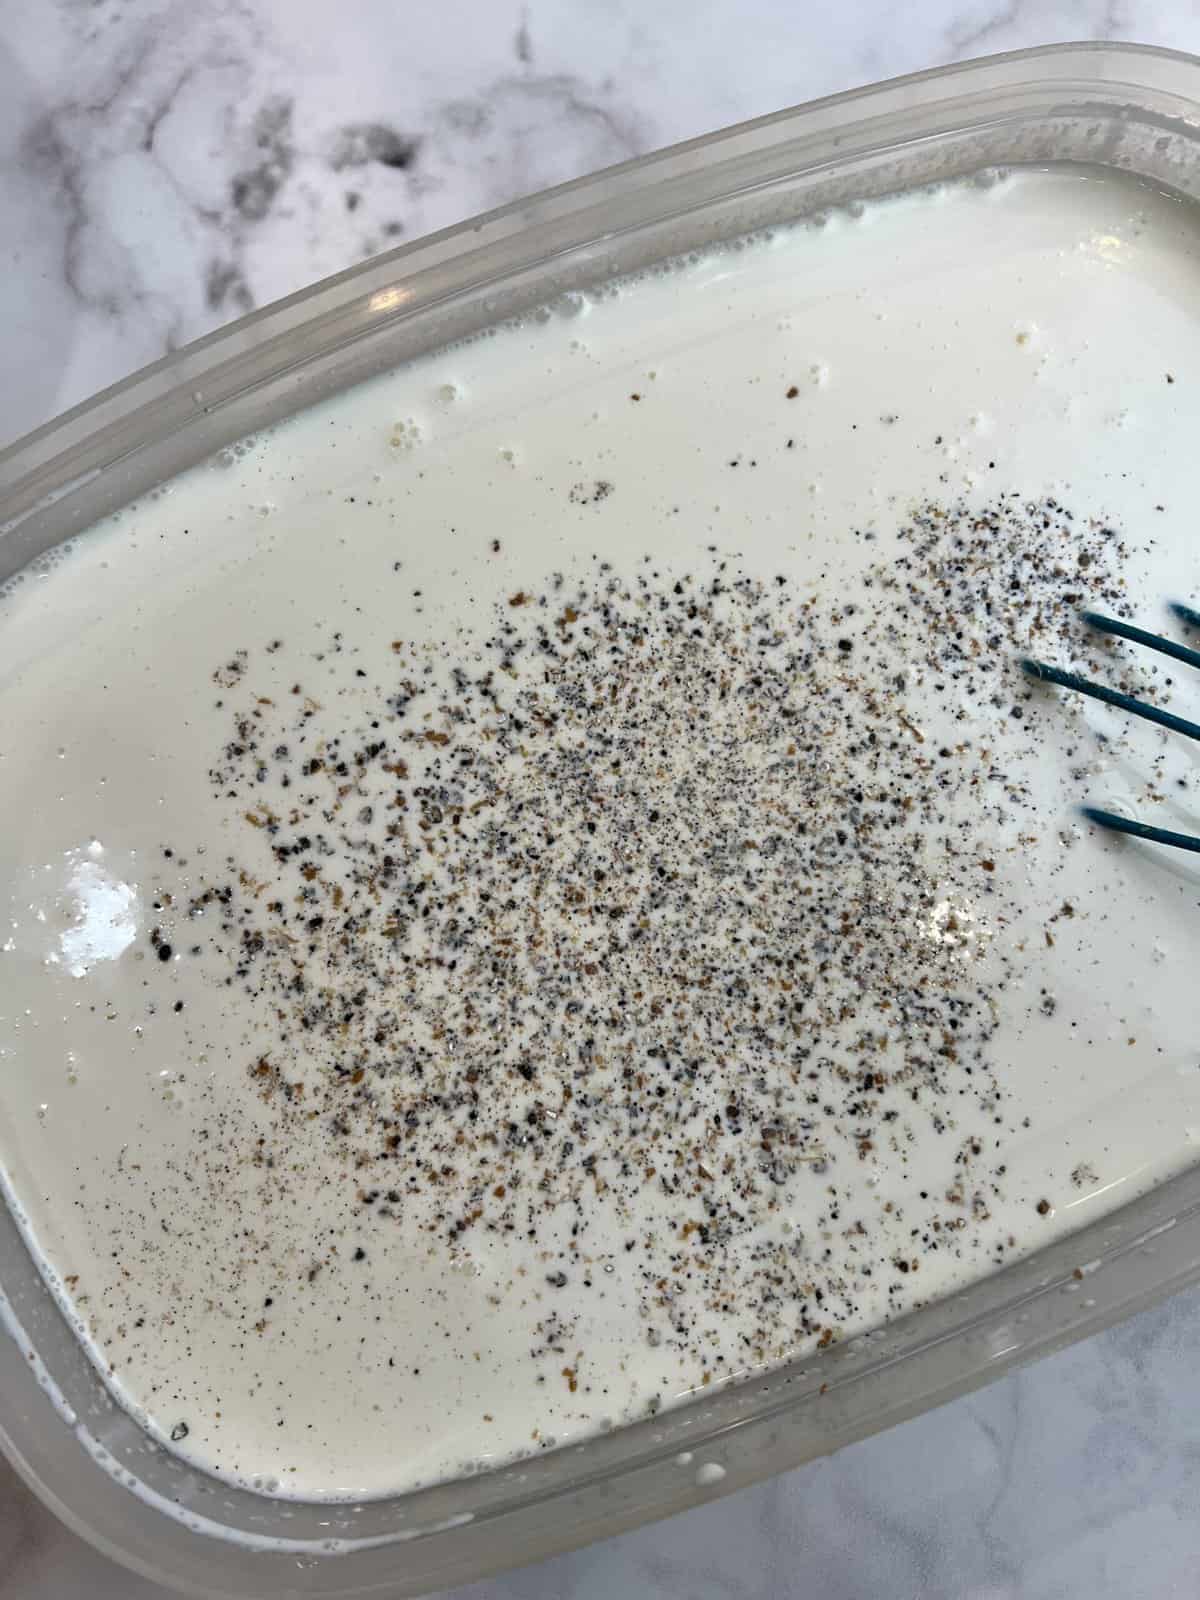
165,166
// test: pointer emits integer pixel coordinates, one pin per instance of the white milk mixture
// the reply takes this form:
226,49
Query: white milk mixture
540,886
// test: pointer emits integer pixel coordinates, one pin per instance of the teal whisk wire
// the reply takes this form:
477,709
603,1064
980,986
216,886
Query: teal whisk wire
1111,697
1043,673
1152,641
1140,830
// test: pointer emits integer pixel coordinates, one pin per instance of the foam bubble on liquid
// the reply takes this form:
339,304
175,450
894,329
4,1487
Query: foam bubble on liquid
407,434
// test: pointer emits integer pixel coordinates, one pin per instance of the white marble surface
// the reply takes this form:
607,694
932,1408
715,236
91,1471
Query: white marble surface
168,164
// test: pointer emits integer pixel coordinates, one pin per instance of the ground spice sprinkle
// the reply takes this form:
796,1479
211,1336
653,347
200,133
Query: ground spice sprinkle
671,915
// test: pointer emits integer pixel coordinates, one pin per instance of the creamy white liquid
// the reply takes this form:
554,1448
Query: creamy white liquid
768,406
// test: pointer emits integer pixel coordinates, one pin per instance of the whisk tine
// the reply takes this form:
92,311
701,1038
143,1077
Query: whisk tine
1152,641
1138,708
1140,830
1111,697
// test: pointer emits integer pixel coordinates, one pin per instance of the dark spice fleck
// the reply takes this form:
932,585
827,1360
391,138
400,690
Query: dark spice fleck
626,903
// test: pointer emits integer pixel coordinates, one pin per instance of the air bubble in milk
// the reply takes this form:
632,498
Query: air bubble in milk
406,435
171,1084
231,454
571,304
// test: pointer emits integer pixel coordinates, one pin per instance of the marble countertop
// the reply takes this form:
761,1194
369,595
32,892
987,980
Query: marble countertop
166,165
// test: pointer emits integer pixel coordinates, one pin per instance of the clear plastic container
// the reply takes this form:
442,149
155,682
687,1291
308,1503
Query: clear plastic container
1107,106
